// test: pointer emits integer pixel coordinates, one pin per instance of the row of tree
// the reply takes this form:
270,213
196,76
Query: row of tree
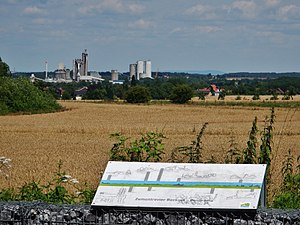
176,89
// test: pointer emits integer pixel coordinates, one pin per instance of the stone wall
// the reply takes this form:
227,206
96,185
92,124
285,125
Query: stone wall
21,213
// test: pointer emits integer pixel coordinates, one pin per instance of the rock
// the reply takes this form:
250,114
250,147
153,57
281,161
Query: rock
90,218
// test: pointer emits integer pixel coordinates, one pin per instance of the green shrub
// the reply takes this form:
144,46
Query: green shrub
20,95
256,97
149,148
289,194
181,94
7,194
238,98
138,94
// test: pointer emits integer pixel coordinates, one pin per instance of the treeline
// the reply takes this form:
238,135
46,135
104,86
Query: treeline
162,88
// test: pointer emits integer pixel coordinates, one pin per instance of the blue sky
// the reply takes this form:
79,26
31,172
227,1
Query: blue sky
224,35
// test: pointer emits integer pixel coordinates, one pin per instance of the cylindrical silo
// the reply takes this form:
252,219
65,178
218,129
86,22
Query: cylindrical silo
148,68
140,69
114,75
132,71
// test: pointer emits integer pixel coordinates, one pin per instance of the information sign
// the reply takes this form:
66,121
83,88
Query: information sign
180,185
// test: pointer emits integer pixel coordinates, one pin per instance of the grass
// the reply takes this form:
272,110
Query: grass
80,136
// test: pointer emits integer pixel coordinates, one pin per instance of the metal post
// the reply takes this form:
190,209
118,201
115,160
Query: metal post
263,195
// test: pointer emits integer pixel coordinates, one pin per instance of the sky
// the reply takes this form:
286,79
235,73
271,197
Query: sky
223,35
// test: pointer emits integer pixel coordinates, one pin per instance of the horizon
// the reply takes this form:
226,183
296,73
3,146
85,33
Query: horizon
191,72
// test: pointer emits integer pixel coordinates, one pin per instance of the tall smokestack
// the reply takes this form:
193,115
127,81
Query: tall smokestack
46,65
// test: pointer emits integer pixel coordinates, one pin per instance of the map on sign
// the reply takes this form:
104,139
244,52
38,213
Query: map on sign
180,185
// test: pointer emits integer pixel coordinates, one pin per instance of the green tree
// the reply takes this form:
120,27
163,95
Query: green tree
4,69
95,94
181,94
137,94
66,95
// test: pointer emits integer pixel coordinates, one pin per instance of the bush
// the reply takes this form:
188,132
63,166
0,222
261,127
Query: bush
20,95
137,94
181,94
289,195
256,97
149,148
95,94
238,98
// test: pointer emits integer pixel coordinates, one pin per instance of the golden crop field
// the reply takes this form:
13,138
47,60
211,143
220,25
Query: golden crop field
80,135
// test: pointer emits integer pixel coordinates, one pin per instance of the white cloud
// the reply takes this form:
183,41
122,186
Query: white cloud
289,12
116,6
208,29
113,5
177,30
272,3
202,11
140,24
33,10
135,8
248,9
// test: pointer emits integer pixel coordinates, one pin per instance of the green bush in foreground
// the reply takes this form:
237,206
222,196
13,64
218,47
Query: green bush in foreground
289,194
149,148
21,96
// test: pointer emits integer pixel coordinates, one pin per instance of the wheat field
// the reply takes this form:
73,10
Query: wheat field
80,136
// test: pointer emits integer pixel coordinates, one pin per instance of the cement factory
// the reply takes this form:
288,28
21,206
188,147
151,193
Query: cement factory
139,70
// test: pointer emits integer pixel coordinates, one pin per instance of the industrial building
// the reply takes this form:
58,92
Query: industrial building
80,66
140,69
62,73
115,78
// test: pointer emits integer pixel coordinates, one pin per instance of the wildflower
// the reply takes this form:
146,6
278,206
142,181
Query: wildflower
74,181
66,177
